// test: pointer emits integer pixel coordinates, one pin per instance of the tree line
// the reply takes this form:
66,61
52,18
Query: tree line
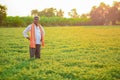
105,14
99,15
48,12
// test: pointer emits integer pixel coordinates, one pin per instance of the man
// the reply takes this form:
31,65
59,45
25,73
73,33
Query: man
36,37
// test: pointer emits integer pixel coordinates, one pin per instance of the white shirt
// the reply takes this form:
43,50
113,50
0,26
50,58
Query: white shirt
37,33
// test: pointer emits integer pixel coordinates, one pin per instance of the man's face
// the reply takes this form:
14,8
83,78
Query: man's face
36,20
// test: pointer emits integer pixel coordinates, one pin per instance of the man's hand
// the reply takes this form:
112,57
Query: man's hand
28,38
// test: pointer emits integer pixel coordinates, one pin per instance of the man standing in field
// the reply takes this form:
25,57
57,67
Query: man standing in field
36,37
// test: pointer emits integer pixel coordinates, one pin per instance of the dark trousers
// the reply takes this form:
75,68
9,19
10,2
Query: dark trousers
35,51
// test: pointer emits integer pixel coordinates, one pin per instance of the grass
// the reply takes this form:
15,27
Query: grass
71,53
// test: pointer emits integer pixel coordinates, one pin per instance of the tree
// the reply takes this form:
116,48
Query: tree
104,14
34,12
114,12
98,14
60,13
48,12
84,16
2,13
117,5
73,13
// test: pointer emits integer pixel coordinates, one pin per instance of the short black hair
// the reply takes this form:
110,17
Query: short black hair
36,17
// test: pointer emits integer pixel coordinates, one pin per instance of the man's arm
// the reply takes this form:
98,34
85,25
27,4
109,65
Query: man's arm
43,31
26,31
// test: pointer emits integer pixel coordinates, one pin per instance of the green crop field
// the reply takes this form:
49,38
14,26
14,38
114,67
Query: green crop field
70,53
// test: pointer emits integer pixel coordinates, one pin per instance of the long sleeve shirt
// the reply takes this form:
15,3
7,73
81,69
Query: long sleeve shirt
37,33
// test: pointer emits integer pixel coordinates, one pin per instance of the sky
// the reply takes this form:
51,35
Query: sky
24,7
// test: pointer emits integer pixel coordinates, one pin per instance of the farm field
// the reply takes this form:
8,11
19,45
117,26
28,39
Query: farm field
70,53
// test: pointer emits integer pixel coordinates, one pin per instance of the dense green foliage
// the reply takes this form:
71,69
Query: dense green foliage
2,13
45,21
71,53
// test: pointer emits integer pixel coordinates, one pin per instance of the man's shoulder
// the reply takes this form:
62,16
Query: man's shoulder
41,26
29,25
